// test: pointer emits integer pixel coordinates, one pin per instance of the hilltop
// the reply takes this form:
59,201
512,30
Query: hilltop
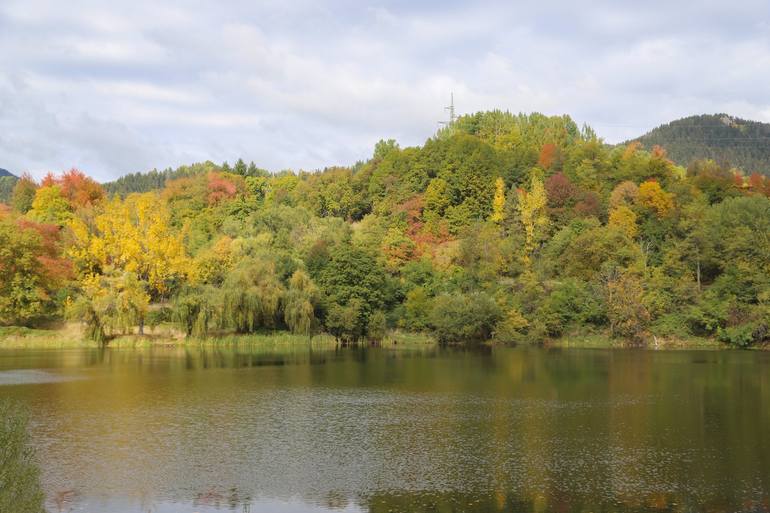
5,172
730,141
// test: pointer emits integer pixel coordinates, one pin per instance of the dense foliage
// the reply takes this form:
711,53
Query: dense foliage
508,227
153,180
728,141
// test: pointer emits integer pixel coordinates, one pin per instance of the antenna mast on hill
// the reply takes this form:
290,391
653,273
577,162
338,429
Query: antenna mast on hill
451,109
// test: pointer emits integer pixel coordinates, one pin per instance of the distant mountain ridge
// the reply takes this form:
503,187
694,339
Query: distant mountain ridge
7,182
726,139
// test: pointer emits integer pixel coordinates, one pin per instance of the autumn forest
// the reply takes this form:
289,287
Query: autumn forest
502,227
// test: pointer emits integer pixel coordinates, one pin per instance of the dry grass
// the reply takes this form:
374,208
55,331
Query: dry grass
64,336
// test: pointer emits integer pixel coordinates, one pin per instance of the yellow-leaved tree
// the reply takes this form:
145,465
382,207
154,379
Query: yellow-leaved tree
498,202
50,207
652,196
624,218
534,215
132,235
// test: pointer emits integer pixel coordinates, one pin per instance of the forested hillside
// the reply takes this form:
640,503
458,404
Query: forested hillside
731,142
516,228
7,181
145,182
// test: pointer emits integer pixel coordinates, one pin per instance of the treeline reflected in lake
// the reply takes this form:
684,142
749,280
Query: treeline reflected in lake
208,429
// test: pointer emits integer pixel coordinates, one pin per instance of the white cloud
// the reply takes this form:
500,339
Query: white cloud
125,86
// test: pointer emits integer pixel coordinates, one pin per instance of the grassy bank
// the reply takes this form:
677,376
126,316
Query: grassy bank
71,336
599,341
66,336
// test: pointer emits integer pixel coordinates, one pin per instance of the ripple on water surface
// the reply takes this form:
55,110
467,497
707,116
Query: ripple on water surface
33,377
375,431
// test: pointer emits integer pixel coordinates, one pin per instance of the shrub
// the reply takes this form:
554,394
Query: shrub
672,325
744,335
571,302
464,318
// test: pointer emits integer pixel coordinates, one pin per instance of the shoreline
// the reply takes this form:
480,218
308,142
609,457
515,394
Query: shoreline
69,336
657,344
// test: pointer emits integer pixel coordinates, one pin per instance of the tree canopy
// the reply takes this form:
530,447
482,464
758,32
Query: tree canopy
510,227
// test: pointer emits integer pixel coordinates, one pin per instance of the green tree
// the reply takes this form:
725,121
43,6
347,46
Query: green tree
240,168
436,198
417,309
354,286
377,327
196,310
383,147
7,184
571,304
347,322
464,318
736,249
252,296
301,301
24,194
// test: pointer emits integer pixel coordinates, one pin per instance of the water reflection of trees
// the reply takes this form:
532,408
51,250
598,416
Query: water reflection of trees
525,429
451,502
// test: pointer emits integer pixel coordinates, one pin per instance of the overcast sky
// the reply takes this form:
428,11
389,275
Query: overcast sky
116,87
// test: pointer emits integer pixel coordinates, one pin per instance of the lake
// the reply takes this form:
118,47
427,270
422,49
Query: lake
167,430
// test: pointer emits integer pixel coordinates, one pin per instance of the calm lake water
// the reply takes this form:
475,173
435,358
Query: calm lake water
202,430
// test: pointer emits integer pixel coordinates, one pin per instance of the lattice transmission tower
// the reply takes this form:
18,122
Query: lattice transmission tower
451,109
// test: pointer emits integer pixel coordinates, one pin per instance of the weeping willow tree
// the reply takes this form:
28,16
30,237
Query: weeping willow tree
82,309
300,302
195,309
131,303
110,304
251,296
